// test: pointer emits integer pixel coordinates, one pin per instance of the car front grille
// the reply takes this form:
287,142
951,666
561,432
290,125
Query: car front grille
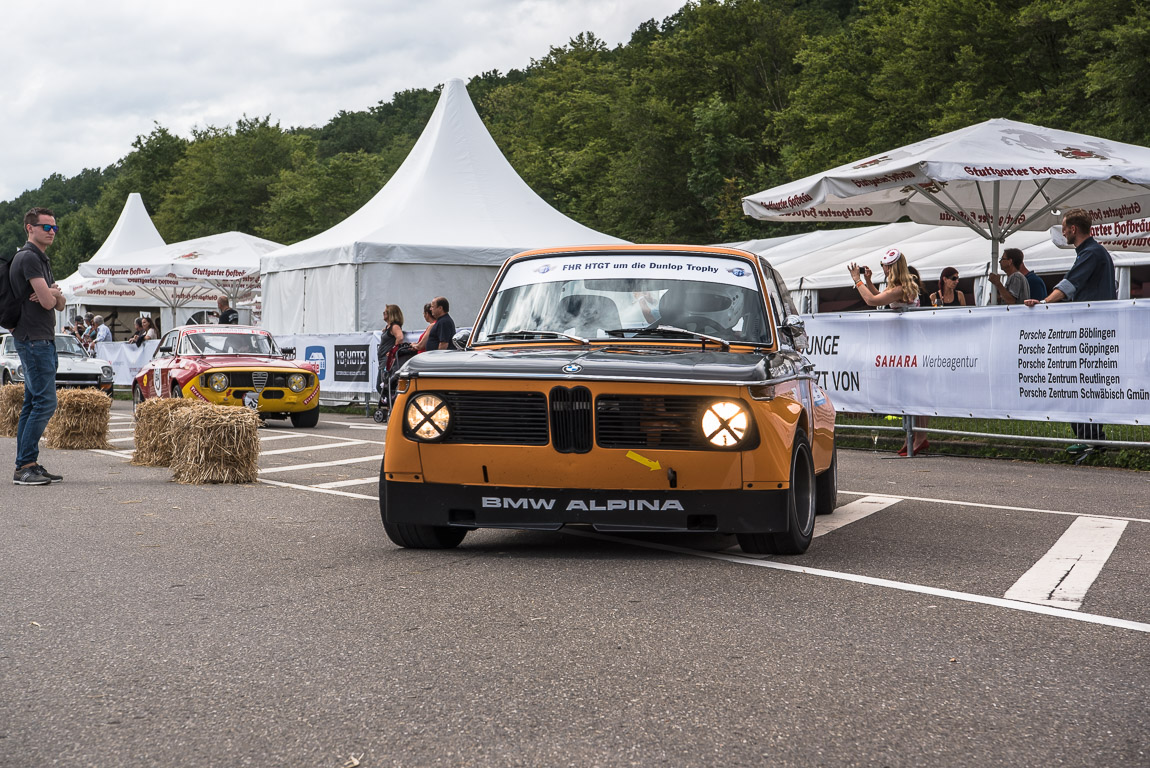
249,379
573,421
72,379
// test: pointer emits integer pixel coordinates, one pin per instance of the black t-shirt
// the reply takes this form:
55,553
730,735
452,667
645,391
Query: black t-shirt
441,332
229,317
36,323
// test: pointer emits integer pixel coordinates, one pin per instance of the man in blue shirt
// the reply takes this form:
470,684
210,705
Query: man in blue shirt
1091,278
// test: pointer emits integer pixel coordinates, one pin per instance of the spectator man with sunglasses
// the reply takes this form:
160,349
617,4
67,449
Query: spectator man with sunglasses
35,340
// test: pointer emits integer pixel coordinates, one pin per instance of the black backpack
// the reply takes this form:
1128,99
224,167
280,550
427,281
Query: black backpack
11,305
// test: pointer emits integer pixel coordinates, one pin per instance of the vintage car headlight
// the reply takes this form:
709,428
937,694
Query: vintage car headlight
218,382
725,424
297,382
107,374
427,417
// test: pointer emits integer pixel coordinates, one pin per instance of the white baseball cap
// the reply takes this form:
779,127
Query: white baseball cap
891,256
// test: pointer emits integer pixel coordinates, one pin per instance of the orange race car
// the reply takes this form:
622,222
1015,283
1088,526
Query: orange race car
232,365
627,388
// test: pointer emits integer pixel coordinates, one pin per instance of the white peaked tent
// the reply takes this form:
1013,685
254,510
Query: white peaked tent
441,226
197,270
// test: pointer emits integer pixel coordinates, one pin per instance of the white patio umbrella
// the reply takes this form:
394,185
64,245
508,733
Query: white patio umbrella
996,177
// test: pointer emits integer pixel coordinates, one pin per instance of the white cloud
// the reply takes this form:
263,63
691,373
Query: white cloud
83,79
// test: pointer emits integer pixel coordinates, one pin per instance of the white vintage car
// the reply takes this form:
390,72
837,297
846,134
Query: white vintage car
75,368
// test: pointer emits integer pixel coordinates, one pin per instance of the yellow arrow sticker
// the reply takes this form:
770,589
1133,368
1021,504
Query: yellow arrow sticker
652,465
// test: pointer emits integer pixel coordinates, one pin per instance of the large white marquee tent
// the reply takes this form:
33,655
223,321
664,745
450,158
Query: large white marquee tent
441,226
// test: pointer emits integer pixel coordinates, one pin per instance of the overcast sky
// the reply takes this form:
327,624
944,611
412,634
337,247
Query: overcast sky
82,79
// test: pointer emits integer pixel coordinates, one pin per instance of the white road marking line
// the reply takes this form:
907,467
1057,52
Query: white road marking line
121,439
332,437
338,462
131,429
366,426
265,437
302,448
345,483
955,503
849,513
1065,573
967,597
316,489
117,454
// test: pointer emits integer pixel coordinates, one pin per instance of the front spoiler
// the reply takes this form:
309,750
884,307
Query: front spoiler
549,509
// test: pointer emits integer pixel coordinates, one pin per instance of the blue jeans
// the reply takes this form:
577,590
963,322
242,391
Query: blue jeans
39,361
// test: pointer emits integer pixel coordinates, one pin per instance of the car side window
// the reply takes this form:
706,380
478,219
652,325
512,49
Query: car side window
169,340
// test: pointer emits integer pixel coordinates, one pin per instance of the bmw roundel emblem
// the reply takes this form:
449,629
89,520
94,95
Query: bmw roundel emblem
572,368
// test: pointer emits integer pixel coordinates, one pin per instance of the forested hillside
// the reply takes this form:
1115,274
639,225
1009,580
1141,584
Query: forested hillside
658,139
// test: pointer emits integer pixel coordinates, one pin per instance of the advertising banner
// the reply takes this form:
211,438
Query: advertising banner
347,361
126,359
1056,362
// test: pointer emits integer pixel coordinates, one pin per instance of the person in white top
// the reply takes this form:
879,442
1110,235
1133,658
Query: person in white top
902,290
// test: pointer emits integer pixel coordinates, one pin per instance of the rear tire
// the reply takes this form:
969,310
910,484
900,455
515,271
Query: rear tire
827,487
800,509
137,397
305,419
412,536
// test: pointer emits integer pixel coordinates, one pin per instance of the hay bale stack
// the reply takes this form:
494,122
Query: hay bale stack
80,420
216,444
155,433
11,401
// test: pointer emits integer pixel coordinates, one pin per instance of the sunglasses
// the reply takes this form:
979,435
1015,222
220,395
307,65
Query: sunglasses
50,227
952,277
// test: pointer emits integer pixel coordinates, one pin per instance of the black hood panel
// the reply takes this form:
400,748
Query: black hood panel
598,362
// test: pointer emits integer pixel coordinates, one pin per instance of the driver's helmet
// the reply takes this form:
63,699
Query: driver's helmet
722,304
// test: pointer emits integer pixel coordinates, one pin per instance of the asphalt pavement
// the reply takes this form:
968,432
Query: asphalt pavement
962,612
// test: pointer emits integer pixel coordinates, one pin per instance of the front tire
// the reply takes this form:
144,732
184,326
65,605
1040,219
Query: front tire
827,487
412,536
305,419
800,509
137,397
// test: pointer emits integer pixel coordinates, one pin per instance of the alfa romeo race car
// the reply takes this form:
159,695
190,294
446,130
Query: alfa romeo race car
74,368
627,388
232,365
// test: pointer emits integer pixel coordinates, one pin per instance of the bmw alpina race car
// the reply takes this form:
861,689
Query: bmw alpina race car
231,365
74,368
626,388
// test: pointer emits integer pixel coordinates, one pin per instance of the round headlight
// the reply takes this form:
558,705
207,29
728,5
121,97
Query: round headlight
296,382
218,381
107,373
427,417
725,424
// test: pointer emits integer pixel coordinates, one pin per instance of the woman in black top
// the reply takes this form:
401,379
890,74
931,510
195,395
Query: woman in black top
948,294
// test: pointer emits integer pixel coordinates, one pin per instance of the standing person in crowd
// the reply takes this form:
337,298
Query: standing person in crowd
389,342
137,336
35,341
439,337
921,285
89,334
103,332
429,318
1016,289
1091,278
1037,287
149,329
902,290
948,294
227,315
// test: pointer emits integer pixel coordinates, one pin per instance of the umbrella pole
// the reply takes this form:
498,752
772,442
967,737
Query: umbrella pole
995,241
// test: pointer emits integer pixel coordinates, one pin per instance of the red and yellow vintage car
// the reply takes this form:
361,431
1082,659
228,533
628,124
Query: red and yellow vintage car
232,365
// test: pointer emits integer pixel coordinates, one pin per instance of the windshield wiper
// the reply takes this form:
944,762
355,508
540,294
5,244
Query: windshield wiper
528,332
669,330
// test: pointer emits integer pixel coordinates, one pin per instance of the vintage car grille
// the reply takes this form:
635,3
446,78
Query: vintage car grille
270,379
497,418
571,419
650,421
74,379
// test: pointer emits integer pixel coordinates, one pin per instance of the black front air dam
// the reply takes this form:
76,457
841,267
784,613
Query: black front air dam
482,506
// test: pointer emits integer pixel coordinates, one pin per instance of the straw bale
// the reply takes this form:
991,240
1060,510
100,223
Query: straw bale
80,420
11,401
216,444
155,433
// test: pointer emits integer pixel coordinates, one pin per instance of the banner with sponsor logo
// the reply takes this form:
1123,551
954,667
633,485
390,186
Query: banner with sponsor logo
1056,362
347,361
126,359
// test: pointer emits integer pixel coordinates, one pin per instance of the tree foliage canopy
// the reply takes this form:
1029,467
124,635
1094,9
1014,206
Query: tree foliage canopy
658,139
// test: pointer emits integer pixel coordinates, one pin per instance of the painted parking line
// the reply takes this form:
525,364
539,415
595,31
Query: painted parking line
266,437
1064,574
977,505
333,437
129,429
323,447
317,464
998,602
346,483
117,454
381,428
121,439
316,489
853,512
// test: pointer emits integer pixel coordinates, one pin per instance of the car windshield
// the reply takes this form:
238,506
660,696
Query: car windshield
67,345
227,344
626,295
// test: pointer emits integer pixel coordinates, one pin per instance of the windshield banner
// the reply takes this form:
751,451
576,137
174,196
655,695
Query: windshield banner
615,266
1086,362
126,359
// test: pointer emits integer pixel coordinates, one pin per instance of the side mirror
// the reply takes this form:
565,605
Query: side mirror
288,352
165,350
796,331
461,338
